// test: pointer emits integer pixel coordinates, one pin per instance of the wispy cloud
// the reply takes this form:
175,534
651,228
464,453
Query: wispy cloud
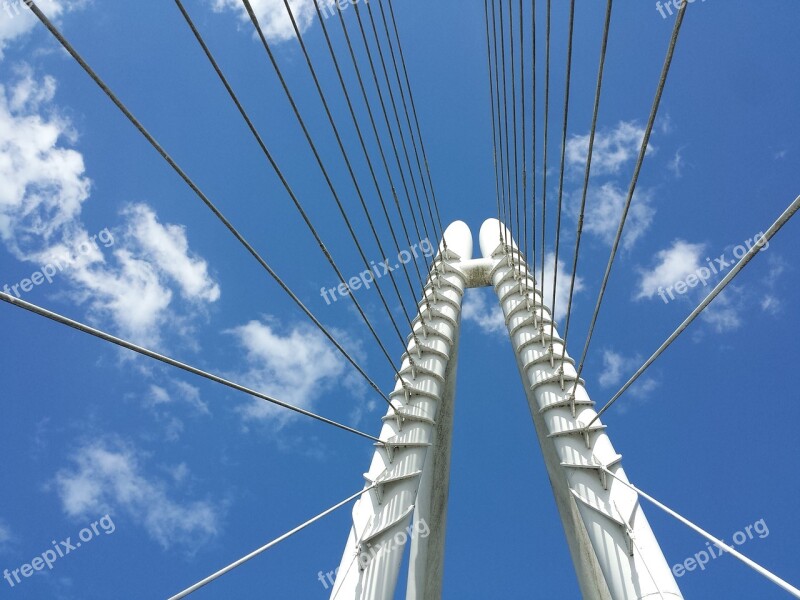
108,477
134,289
44,190
617,368
17,20
169,402
297,366
677,163
562,285
273,17
5,536
44,181
670,265
612,148
724,313
481,308
604,212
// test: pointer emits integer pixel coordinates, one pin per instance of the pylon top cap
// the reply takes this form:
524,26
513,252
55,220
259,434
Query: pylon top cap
459,239
490,237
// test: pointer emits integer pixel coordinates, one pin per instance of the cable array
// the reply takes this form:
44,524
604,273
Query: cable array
405,155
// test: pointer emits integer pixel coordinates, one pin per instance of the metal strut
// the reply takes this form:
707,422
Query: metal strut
408,477
602,518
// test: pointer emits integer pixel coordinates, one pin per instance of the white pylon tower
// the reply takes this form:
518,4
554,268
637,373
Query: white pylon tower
614,551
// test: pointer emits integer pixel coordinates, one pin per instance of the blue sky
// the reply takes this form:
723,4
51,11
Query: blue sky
195,476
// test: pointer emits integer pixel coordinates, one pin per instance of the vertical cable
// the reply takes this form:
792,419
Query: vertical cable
494,125
563,158
587,172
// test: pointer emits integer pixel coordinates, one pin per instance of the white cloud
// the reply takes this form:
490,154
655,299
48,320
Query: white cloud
296,367
604,211
482,308
723,314
41,199
612,149
182,392
617,368
562,286
614,366
134,290
5,535
164,403
167,247
107,477
130,293
273,16
671,265
771,304
17,20
677,163
44,183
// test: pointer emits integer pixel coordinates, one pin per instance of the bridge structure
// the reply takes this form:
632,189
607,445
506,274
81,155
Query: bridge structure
613,548
614,551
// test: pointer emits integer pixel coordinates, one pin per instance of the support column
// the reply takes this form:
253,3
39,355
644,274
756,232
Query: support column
615,554
415,441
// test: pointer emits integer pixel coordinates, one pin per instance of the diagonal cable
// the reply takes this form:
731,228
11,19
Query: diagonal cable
500,103
494,123
717,542
405,104
325,104
342,211
507,137
379,143
775,228
662,82
396,112
364,147
43,312
533,141
587,172
416,118
385,113
563,160
512,47
546,131
288,534
182,174
524,145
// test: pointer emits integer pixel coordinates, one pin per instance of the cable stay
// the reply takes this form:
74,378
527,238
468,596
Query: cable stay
587,172
563,161
43,312
775,228
405,103
416,119
264,548
395,110
200,194
342,211
637,170
717,542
